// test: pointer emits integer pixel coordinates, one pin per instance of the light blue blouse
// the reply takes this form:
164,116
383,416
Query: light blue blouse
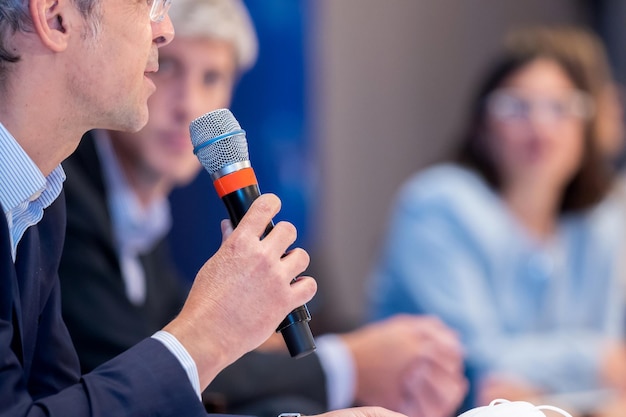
538,310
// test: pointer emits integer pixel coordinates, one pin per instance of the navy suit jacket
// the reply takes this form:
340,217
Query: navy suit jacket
39,369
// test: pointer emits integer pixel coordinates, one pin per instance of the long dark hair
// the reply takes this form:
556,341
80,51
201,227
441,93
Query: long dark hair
585,64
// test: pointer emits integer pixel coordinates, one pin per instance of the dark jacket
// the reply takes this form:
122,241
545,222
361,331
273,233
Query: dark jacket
39,370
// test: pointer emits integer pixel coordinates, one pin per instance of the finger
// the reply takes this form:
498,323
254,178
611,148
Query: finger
227,228
427,352
282,236
260,215
369,412
449,363
303,290
434,328
296,261
412,407
437,393
441,354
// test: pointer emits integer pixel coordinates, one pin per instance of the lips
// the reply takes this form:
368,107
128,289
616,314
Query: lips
151,68
153,61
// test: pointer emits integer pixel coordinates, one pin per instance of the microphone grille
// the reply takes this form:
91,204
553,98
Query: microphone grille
218,140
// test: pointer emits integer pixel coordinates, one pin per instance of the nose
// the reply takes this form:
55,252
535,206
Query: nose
163,31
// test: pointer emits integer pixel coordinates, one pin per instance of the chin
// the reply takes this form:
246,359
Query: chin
131,124
137,117
182,179
141,122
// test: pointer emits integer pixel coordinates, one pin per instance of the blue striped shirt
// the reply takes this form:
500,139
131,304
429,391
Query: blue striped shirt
24,191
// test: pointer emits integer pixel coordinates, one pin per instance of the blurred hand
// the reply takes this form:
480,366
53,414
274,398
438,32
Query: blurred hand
613,374
243,292
613,408
274,344
411,364
613,367
361,412
512,389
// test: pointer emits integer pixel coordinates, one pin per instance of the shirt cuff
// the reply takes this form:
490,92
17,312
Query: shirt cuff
185,359
339,368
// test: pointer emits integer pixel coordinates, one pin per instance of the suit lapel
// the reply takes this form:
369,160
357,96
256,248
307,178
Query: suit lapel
10,304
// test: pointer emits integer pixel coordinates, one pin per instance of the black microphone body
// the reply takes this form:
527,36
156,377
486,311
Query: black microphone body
295,327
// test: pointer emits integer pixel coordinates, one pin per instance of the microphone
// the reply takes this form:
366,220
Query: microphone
220,145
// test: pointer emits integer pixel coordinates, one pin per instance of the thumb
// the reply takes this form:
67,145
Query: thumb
227,229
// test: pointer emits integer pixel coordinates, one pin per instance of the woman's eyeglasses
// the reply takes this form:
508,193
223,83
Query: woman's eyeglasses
511,105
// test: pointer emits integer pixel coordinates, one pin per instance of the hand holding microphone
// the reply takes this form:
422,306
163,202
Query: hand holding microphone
220,144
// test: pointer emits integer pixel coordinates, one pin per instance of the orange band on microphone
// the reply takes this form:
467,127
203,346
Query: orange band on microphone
235,181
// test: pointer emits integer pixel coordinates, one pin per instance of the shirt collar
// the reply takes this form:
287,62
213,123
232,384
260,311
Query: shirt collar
137,228
22,181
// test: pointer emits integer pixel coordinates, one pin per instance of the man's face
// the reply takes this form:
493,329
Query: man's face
196,75
110,76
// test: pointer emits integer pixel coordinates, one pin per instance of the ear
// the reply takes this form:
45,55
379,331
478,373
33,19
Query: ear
50,22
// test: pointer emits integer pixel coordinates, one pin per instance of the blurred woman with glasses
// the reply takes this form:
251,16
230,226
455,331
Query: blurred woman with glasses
516,242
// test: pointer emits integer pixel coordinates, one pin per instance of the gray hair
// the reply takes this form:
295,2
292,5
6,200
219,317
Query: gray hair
226,20
15,16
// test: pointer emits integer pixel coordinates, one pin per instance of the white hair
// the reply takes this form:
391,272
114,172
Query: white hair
227,20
